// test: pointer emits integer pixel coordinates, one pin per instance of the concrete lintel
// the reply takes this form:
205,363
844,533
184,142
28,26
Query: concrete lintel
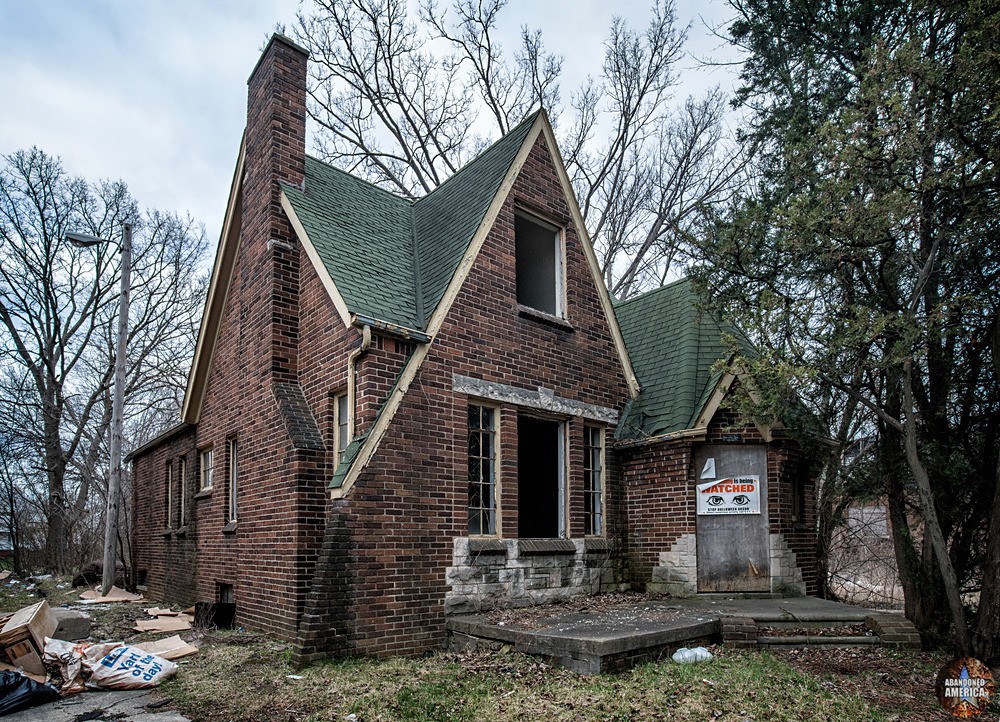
542,399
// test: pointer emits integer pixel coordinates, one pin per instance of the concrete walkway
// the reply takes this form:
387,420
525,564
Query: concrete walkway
125,706
619,637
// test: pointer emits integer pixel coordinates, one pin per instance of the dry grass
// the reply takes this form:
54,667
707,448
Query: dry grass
245,677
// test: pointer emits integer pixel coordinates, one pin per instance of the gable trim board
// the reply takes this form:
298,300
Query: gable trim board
588,248
218,292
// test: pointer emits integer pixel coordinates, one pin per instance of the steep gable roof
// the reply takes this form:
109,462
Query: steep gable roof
673,346
390,258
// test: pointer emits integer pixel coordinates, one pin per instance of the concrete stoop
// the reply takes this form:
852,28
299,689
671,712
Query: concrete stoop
616,639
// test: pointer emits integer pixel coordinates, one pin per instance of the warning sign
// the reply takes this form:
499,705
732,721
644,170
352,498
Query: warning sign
738,495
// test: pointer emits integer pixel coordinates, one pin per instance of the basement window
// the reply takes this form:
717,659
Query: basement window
538,262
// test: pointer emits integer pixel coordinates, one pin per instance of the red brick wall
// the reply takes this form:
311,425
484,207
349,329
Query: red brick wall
660,480
410,502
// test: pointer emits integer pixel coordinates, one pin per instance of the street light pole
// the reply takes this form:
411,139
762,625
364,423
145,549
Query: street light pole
117,403
117,421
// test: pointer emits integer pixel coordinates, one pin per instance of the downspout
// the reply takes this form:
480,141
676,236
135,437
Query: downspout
352,374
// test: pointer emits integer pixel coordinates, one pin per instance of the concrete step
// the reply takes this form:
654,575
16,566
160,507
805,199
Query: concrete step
817,641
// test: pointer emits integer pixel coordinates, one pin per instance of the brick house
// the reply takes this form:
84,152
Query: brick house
400,410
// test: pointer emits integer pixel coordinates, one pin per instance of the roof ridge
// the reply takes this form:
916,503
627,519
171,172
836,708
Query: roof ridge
528,120
359,179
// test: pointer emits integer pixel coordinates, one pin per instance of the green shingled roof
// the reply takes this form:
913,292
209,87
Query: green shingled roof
392,258
673,346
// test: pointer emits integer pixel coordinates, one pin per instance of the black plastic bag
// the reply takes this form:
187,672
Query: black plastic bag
17,692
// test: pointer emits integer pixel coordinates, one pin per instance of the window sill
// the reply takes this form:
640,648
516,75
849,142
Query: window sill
181,532
596,544
487,546
166,532
527,547
229,528
203,494
542,317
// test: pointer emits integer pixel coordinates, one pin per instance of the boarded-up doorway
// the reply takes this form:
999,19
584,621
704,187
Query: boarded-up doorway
733,548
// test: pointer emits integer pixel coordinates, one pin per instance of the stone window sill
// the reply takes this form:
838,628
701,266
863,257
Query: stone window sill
526,547
229,528
166,532
182,531
542,317
487,546
596,544
203,494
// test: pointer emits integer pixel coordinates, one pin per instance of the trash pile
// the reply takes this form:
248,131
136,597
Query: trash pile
45,653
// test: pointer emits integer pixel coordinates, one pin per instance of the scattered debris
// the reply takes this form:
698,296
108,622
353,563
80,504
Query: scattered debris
73,625
4,574
162,624
690,656
93,596
17,692
111,666
158,612
169,647
22,637
294,676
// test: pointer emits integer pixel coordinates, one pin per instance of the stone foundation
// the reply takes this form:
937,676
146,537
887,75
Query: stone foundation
677,572
786,575
497,573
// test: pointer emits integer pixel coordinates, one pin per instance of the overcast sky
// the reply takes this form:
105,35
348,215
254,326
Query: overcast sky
155,92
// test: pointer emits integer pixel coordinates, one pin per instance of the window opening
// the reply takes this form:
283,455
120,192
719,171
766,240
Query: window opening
341,425
231,481
206,469
169,506
538,264
482,470
540,479
182,488
593,480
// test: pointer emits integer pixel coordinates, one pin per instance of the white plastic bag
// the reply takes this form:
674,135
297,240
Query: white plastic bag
120,667
690,656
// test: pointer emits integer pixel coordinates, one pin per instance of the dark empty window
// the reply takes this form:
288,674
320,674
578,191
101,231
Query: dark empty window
538,261
539,478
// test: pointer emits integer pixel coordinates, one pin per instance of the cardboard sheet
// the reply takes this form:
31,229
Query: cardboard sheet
93,596
162,624
169,647
158,612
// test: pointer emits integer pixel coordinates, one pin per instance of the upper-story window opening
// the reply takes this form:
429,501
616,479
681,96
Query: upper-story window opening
538,261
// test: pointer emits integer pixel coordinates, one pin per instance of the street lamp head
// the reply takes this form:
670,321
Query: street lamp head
82,240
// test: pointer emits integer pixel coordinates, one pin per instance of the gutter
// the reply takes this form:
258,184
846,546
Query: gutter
362,321
352,373
669,436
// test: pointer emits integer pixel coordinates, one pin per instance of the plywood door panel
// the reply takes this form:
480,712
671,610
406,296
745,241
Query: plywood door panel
733,549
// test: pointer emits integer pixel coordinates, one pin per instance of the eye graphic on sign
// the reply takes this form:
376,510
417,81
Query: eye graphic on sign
741,500
715,500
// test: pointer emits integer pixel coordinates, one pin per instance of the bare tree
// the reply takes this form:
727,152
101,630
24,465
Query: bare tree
406,104
57,308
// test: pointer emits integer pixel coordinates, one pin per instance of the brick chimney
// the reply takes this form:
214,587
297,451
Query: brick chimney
275,151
